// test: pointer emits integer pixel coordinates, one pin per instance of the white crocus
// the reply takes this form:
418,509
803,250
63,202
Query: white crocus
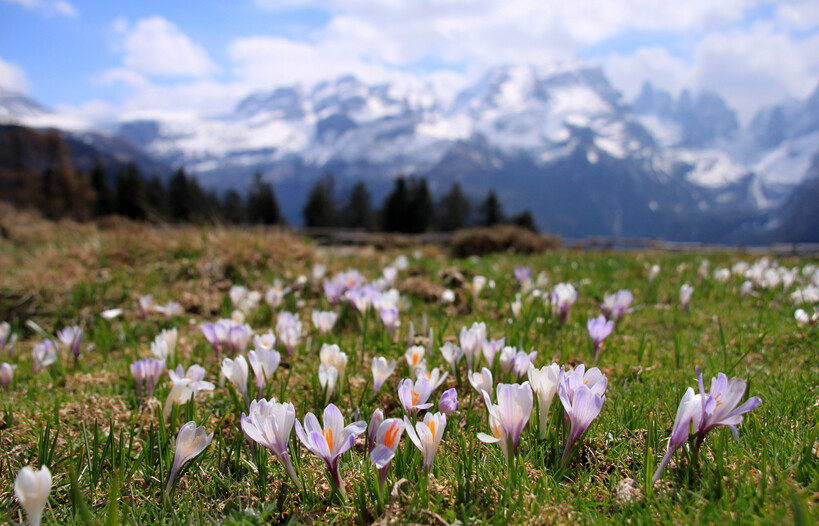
324,321
686,291
236,371
452,355
414,356
32,488
331,355
481,381
471,341
427,435
328,378
164,345
544,383
190,442
381,371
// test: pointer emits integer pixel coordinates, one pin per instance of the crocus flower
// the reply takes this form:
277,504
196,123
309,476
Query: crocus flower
269,424
145,303
236,371
427,435
328,378
802,317
580,411
43,354
517,305
381,371
32,488
110,314
616,305
5,331
164,345
333,290
599,330
448,403
719,405
689,417
481,381
266,341
499,435
563,297
491,348
478,283
593,379
686,291
471,341
544,383
146,374
452,354
276,293
513,410
6,374
746,288
387,436
331,355
239,337
522,362
186,384
653,272
332,441
448,296
522,274
190,442
71,337
264,363
507,359
722,275
414,396
434,376
289,329
415,356
170,309
372,429
324,321
390,318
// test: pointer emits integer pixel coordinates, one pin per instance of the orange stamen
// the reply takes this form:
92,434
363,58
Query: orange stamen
431,426
389,439
328,435
415,397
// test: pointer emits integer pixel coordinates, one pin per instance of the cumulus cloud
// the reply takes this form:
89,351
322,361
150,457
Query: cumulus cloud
12,77
749,68
155,46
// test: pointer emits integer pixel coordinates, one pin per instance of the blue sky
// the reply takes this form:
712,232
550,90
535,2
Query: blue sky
112,60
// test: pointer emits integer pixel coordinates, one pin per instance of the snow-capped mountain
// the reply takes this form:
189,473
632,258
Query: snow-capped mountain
558,140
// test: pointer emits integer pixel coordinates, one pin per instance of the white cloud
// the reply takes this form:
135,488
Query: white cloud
57,7
12,77
155,46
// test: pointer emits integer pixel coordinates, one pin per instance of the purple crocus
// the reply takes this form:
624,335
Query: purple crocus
491,348
333,290
522,274
375,421
689,417
599,330
471,341
387,436
414,396
390,318
615,305
449,402
71,337
700,413
146,374
719,406
563,297
332,441
581,412
269,424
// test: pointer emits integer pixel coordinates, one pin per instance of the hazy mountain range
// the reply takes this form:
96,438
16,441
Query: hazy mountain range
560,141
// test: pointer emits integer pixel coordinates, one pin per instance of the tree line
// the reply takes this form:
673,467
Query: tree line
408,208
37,171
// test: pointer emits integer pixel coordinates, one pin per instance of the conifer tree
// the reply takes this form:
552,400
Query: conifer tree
262,206
358,213
319,210
453,209
104,204
490,211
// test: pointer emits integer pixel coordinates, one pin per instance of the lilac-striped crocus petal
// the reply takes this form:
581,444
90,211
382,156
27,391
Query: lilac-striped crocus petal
515,402
688,419
581,412
449,402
